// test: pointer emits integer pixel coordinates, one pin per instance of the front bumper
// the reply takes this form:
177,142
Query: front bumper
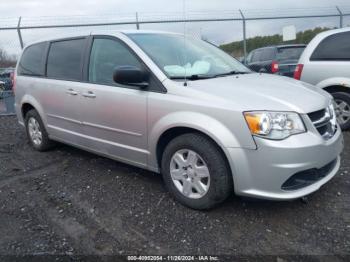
261,173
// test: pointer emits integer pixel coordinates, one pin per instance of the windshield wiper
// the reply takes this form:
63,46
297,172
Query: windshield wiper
232,73
192,77
199,77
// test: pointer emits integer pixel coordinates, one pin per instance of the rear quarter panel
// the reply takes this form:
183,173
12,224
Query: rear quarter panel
25,93
315,72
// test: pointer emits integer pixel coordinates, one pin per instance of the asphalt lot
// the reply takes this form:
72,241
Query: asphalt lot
67,201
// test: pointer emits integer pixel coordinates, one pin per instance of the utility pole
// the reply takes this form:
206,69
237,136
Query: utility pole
244,35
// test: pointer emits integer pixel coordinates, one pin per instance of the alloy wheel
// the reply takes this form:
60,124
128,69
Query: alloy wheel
343,111
35,131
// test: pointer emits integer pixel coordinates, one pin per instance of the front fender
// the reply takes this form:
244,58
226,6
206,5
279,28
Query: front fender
216,130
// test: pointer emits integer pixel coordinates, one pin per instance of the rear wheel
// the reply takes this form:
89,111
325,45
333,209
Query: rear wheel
195,171
36,131
342,101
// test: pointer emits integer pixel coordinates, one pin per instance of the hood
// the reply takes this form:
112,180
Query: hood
263,92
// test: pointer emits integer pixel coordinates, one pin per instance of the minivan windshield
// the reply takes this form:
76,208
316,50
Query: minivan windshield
179,57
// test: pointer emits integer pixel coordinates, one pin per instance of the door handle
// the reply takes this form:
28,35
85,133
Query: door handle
70,91
89,94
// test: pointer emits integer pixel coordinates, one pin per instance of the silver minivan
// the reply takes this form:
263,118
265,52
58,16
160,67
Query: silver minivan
181,107
325,63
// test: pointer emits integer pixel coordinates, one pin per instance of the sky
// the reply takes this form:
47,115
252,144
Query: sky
87,7
66,11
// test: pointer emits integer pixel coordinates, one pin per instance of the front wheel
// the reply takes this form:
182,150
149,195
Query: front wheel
342,101
196,172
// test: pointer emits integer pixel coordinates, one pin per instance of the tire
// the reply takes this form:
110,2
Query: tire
342,100
219,184
45,143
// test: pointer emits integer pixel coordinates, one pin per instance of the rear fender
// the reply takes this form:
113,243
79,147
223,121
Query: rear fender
335,81
28,99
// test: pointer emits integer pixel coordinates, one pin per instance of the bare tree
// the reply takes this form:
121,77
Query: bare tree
6,60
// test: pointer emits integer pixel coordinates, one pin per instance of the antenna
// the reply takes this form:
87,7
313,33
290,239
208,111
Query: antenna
185,56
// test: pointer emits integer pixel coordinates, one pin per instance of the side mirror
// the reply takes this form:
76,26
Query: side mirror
131,75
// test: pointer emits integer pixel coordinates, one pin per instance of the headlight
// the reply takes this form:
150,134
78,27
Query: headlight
274,125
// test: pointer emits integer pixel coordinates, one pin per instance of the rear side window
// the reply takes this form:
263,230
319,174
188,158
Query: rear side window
333,48
32,60
65,59
289,53
267,54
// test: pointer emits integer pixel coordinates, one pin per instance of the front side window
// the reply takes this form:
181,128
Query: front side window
180,57
249,57
333,48
257,56
32,60
65,59
106,55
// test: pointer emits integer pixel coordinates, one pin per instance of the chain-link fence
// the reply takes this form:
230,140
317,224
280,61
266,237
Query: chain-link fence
237,31
7,101
218,27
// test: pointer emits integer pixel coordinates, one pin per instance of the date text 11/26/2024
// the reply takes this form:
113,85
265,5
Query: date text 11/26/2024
173,258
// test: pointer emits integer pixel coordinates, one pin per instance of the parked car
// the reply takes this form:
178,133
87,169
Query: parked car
2,86
281,59
6,76
2,89
196,115
326,64
6,94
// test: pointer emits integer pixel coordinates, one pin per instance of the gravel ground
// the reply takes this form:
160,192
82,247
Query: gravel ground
67,201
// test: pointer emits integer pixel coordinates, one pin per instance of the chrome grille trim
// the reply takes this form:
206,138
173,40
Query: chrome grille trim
324,123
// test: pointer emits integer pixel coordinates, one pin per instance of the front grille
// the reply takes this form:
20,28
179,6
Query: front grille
308,177
315,116
324,121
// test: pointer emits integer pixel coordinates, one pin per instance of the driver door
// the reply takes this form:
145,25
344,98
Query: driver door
114,116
